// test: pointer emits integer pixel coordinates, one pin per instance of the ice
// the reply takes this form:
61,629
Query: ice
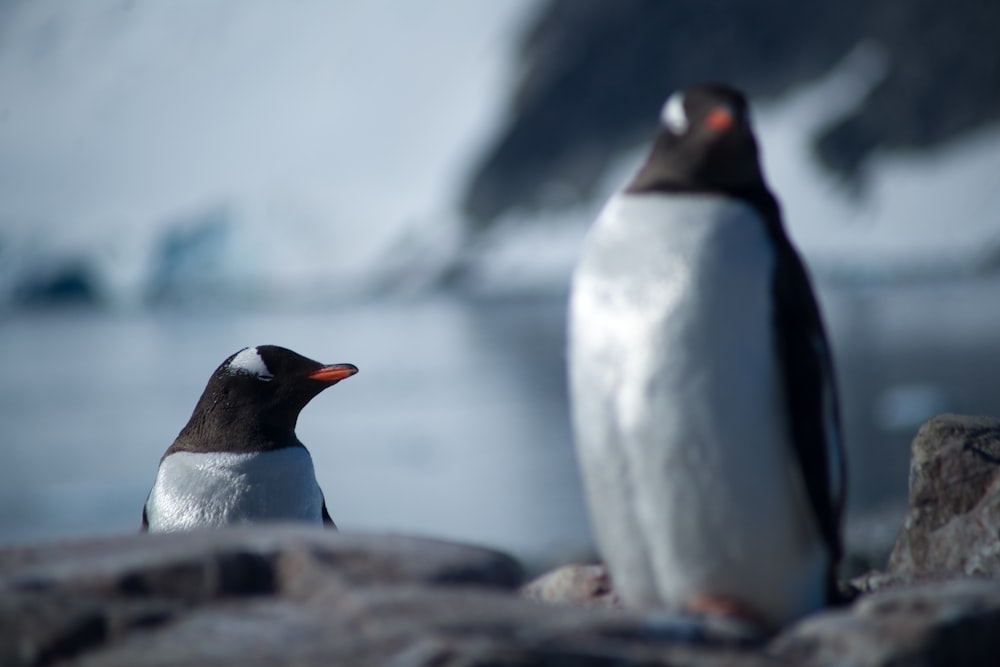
926,214
320,150
327,130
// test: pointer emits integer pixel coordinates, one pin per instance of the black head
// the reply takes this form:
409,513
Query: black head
705,144
253,400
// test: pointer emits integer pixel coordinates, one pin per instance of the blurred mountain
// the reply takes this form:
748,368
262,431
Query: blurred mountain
162,152
595,72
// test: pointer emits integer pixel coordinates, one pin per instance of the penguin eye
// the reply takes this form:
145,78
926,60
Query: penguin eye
720,119
265,377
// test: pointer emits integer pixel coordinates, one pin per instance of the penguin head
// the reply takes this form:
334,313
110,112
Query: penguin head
705,142
271,382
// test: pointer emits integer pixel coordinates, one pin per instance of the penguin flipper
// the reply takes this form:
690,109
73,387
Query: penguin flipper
811,392
327,520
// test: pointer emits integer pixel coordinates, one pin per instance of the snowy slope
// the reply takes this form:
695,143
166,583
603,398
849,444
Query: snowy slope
312,133
310,150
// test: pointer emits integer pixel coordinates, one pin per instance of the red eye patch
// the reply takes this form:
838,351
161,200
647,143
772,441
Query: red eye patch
719,119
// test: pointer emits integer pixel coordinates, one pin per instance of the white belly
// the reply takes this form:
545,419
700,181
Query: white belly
678,409
210,490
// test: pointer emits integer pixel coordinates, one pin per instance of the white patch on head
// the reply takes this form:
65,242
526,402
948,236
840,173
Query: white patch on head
249,362
673,116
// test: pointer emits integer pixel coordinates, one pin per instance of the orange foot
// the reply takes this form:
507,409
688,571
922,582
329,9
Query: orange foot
720,605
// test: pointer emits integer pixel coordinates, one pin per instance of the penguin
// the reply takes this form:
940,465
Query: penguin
238,460
703,399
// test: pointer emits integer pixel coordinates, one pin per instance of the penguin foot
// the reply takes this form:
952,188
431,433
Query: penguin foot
705,629
721,606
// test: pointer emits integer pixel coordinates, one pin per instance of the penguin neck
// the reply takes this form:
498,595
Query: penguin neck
732,169
652,179
220,425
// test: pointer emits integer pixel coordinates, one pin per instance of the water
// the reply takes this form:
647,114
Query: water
456,425
181,179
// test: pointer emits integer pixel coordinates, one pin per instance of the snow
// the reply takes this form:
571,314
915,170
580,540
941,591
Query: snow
319,150
922,214
928,213
325,129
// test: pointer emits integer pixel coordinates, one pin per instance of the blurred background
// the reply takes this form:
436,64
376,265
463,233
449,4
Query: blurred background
405,186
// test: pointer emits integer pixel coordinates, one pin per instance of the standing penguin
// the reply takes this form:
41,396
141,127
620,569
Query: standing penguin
703,398
238,459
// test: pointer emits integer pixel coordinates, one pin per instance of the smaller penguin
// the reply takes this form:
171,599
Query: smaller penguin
238,459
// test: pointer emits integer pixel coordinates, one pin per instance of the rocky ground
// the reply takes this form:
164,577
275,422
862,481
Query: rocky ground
290,595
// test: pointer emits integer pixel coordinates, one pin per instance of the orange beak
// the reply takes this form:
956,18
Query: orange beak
719,119
334,372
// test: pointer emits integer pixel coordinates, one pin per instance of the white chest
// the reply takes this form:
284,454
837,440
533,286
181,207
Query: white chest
201,490
676,290
678,406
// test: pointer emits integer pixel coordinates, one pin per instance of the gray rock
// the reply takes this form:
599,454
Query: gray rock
408,625
247,561
953,526
284,595
577,584
57,601
947,624
291,595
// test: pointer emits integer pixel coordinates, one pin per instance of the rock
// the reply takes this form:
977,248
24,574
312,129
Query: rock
69,283
953,526
951,623
283,595
249,561
294,595
406,625
584,585
58,601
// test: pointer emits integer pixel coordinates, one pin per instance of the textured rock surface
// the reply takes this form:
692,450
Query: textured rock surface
288,595
583,585
951,623
67,599
953,526
299,596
